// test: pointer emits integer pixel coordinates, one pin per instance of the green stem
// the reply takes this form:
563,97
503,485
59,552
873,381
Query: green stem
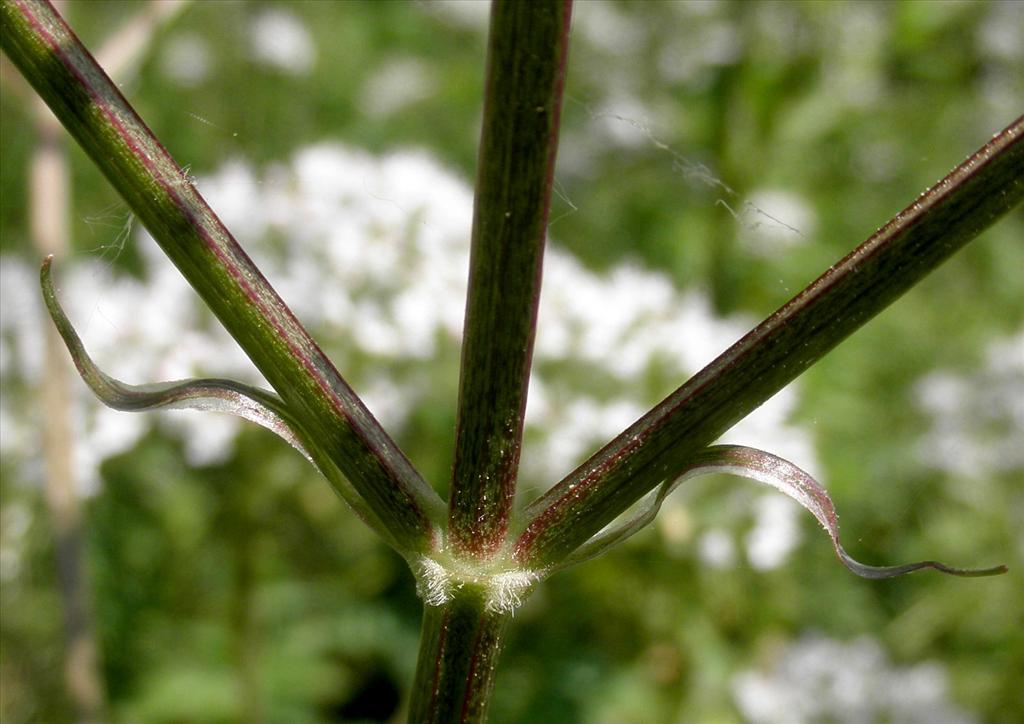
459,646
659,446
525,72
335,422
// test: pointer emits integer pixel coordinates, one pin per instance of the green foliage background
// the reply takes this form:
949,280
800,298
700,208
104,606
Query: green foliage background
856,107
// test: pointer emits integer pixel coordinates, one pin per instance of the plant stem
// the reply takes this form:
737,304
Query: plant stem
526,62
459,646
338,429
659,445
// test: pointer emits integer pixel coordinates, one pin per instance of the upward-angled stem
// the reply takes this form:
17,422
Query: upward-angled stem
525,71
659,445
334,420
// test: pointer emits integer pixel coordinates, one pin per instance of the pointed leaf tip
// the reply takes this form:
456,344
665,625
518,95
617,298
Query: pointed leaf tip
785,477
219,395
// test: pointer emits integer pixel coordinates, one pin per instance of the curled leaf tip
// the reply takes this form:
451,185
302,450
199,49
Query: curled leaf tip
785,477
878,572
220,395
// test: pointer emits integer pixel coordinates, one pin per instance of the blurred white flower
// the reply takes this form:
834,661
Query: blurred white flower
185,60
818,679
372,253
998,35
716,549
21,347
396,84
622,121
608,28
687,57
279,39
472,14
977,419
776,532
774,221
856,71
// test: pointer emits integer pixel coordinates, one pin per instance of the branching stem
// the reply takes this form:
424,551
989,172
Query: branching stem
660,444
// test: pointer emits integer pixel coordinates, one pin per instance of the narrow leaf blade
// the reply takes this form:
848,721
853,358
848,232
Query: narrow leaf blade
785,477
210,394
217,395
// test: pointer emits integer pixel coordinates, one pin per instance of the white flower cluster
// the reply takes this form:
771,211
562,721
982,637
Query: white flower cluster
281,40
372,253
818,679
977,419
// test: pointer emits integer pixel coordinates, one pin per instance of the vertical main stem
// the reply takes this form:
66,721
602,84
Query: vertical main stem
526,60
459,646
